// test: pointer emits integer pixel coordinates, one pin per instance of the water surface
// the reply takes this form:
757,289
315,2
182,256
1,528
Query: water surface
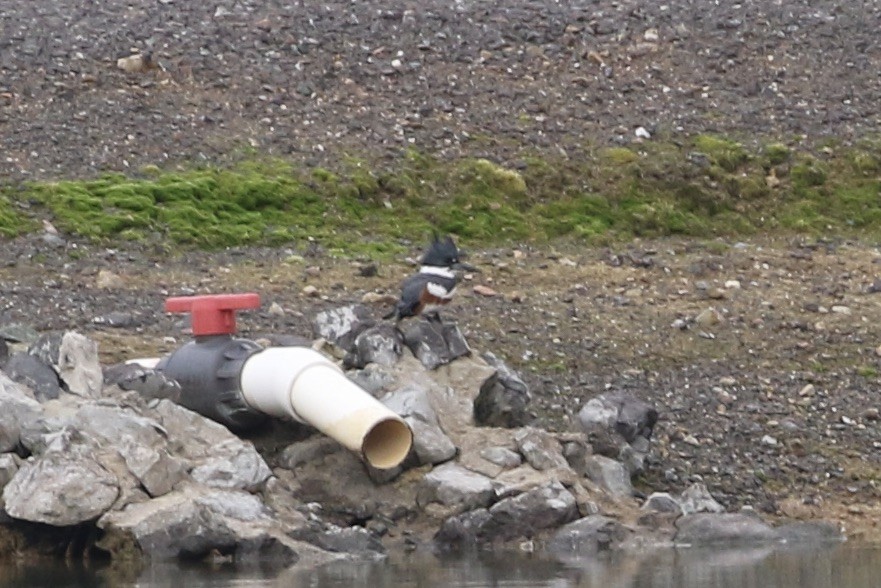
840,566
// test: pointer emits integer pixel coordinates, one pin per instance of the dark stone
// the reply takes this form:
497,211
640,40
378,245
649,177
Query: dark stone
435,343
503,398
28,370
148,382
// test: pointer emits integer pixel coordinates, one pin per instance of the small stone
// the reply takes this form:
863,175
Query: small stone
484,290
808,390
650,35
708,317
727,381
769,441
310,291
108,280
642,133
871,414
275,309
516,297
838,309
378,298
679,324
732,284
313,271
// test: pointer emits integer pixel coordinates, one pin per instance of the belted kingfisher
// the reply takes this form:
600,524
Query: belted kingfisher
434,285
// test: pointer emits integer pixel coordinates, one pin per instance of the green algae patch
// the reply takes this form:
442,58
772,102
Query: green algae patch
705,187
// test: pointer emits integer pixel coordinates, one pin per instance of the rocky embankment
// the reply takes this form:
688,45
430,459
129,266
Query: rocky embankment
110,449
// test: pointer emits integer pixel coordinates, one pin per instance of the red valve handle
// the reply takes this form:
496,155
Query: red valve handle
213,314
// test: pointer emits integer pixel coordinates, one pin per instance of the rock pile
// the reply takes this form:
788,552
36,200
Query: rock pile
148,478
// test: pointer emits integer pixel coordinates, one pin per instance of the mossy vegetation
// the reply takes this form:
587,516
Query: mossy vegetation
706,187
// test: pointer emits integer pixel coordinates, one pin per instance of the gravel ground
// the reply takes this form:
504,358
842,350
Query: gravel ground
761,356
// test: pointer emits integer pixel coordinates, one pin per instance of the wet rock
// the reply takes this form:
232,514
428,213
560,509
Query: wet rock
503,398
192,523
588,535
523,516
722,529
809,533
462,531
356,541
455,487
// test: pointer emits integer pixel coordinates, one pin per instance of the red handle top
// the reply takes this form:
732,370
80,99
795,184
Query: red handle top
214,314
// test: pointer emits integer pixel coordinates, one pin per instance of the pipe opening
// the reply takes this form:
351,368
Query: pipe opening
387,443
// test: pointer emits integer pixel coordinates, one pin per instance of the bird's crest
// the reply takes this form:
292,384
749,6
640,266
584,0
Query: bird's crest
441,252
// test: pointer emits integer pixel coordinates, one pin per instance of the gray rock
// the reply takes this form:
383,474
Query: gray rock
501,456
341,326
140,441
60,488
194,522
9,463
503,397
522,516
810,533
147,382
19,410
235,465
430,444
463,530
381,344
610,475
373,378
588,535
456,487
696,498
540,449
19,333
74,358
662,502
722,529
26,369
356,541
435,344
626,415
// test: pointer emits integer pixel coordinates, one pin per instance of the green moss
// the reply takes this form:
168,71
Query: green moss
619,156
595,195
776,154
807,174
722,152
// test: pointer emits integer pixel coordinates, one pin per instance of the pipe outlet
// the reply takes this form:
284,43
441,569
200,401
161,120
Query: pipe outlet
301,383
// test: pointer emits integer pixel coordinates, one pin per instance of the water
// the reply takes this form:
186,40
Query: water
844,566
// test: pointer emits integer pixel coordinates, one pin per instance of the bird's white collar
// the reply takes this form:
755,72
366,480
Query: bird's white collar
444,272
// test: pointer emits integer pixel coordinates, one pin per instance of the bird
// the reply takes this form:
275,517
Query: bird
434,285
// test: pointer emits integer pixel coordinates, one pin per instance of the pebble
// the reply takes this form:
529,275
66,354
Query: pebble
482,290
309,291
275,309
769,441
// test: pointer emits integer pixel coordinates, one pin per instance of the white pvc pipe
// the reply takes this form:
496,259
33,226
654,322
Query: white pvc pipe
302,383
